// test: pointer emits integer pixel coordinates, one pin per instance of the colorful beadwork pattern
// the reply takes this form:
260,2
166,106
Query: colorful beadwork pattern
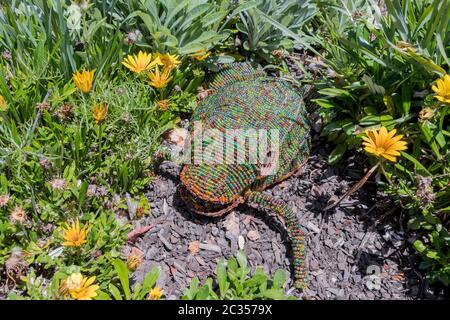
245,98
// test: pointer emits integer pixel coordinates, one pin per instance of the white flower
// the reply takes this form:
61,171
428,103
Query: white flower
73,18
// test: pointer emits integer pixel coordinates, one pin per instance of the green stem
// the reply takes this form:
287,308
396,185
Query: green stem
385,173
99,138
84,107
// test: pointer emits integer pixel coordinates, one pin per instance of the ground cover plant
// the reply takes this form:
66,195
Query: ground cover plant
390,67
89,90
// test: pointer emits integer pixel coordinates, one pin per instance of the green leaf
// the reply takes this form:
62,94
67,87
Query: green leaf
441,48
406,98
301,40
258,279
414,223
279,278
115,292
232,265
82,194
419,246
241,258
274,294
101,295
427,63
428,134
122,272
150,280
373,87
324,103
203,293
432,254
335,92
417,165
337,153
244,6
222,278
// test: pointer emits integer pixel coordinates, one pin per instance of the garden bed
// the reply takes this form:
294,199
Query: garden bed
91,95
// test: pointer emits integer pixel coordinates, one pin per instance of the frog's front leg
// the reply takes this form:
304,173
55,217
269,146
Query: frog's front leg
261,200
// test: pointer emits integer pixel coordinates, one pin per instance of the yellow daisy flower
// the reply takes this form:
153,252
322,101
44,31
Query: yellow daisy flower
73,235
160,80
83,80
155,294
200,55
3,104
384,144
134,259
442,89
99,112
168,60
140,62
79,287
163,105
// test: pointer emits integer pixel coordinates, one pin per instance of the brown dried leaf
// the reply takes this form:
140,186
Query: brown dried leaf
136,233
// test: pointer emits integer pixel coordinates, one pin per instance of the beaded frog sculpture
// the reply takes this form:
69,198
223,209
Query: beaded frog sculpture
246,98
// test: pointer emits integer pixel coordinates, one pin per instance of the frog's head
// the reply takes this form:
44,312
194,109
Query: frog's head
216,186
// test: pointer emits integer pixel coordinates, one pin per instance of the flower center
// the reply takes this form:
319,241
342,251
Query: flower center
75,237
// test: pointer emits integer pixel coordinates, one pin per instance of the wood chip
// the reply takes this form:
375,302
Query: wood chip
165,242
241,242
210,247
194,247
253,235
311,226
231,224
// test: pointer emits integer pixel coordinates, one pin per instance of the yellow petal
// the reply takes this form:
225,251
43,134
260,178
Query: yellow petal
376,137
392,152
90,281
371,150
367,140
393,140
369,135
382,136
440,84
398,146
370,145
442,99
391,134
435,89
390,158
447,81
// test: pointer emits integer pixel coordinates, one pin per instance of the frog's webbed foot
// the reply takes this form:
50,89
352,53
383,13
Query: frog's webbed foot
261,200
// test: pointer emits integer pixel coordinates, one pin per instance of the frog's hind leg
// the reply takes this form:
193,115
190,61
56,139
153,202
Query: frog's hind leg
260,200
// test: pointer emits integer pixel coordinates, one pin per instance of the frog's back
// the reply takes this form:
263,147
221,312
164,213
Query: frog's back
245,99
